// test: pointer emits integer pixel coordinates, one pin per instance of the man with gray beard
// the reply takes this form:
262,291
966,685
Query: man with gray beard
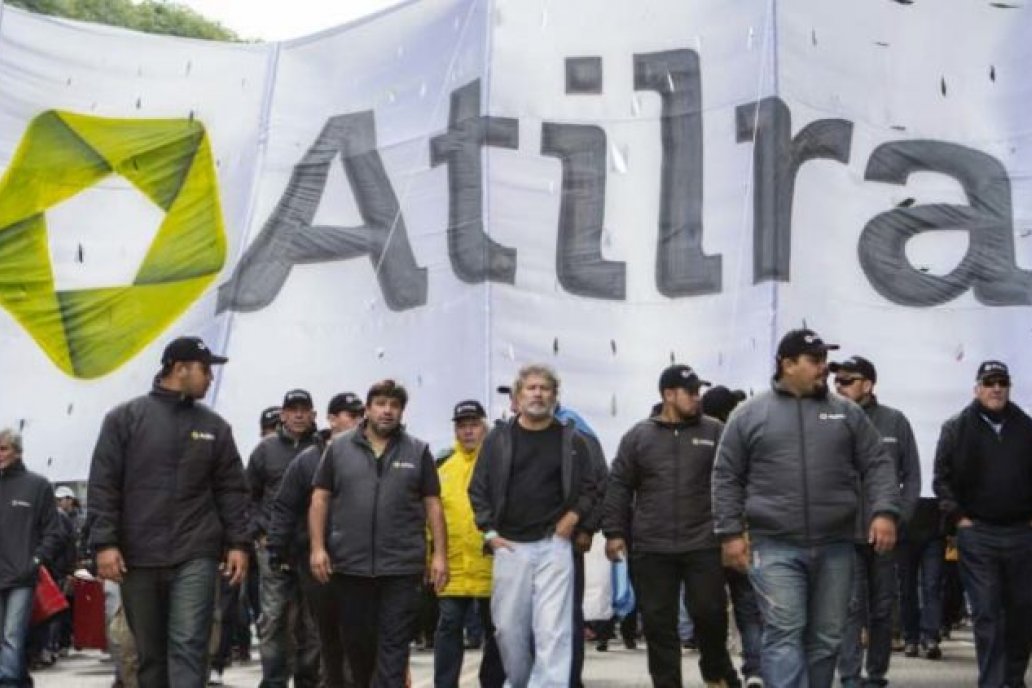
532,485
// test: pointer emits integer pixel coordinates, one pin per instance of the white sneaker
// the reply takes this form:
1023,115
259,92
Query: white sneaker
215,679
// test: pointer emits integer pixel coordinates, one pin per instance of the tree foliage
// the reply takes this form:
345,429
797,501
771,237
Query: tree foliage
152,16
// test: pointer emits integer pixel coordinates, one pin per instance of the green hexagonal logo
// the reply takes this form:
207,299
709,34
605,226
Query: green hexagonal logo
92,331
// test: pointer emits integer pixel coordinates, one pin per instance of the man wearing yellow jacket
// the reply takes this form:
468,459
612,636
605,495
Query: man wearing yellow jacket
470,567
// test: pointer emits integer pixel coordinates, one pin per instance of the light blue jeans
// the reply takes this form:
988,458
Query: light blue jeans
532,608
15,610
803,593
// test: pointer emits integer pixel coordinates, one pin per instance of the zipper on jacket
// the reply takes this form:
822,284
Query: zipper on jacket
802,455
677,484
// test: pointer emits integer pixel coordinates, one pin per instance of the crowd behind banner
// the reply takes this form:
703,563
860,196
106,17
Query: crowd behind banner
798,508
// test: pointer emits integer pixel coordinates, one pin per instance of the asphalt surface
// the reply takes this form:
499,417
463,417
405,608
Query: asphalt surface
616,668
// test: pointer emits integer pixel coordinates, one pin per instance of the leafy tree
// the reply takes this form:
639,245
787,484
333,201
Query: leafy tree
151,16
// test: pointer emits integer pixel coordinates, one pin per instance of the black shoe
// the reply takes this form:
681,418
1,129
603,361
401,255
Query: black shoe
910,650
602,646
690,644
630,643
473,644
932,651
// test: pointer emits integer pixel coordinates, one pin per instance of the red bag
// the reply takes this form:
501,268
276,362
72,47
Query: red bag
48,599
89,628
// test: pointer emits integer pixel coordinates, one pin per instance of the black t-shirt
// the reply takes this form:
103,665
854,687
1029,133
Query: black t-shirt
534,502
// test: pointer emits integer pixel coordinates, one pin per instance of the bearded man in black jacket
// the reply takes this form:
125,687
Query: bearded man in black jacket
983,478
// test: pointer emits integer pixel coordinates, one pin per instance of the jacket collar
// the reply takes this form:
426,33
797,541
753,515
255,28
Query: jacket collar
16,468
170,396
779,388
667,425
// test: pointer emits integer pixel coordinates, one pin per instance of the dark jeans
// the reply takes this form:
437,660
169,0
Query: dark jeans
920,588
287,632
379,616
169,610
449,646
748,620
577,638
228,610
324,603
870,607
996,567
657,583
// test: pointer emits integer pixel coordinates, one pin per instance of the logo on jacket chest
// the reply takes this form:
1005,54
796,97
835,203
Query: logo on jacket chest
831,416
702,441
20,503
403,464
201,435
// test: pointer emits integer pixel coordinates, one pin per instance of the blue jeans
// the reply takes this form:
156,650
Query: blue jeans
870,607
748,620
996,567
170,610
449,647
15,609
289,645
920,588
803,594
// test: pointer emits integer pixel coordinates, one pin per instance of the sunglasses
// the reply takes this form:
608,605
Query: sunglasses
846,381
996,382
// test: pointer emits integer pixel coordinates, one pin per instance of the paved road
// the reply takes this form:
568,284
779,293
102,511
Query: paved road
616,668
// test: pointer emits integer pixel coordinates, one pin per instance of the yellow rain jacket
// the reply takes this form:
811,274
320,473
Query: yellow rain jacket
469,567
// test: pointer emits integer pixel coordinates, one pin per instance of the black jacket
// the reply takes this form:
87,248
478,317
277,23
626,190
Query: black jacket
971,456
488,488
30,529
265,470
166,482
660,486
377,515
287,533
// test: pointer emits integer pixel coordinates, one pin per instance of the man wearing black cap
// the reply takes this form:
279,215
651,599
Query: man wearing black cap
167,499
269,421
468,565
786,473
983,478
874,579
658,498
285,628
288,540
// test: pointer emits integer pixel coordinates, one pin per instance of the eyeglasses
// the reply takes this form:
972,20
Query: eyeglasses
846,381
995,382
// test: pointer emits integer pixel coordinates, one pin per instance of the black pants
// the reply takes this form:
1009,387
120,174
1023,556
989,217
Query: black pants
324,603
448,643
996,567
657,583
379,617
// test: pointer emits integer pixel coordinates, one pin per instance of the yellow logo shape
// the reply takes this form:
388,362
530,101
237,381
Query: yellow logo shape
91,332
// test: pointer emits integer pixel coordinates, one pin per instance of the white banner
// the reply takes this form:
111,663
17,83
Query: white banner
452,188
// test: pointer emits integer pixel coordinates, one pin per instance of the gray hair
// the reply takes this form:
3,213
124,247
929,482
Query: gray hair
535,370
14,437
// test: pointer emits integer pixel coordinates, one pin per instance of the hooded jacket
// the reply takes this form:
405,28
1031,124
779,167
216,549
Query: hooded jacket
488,490
659,489
166,483
469,567
31,530
792,468
265,469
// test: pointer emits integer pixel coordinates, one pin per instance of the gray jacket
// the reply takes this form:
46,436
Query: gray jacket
898,440
377,516
659,488
792,469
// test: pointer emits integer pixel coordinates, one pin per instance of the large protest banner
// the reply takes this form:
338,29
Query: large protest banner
449,189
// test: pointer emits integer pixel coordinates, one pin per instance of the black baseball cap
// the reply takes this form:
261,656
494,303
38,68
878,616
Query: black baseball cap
719,401
803,341
345,401
680,375
297,397
189,349
992,369
468,409
270,417
858,365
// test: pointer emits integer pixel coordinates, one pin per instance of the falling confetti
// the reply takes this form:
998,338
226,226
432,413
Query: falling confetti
612,405
942,85
813,36
555,346
992,73
958,354
380,352
672,358
612,346
905,203
71,407
79,257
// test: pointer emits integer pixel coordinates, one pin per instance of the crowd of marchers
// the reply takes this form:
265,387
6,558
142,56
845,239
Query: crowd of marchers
798,508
